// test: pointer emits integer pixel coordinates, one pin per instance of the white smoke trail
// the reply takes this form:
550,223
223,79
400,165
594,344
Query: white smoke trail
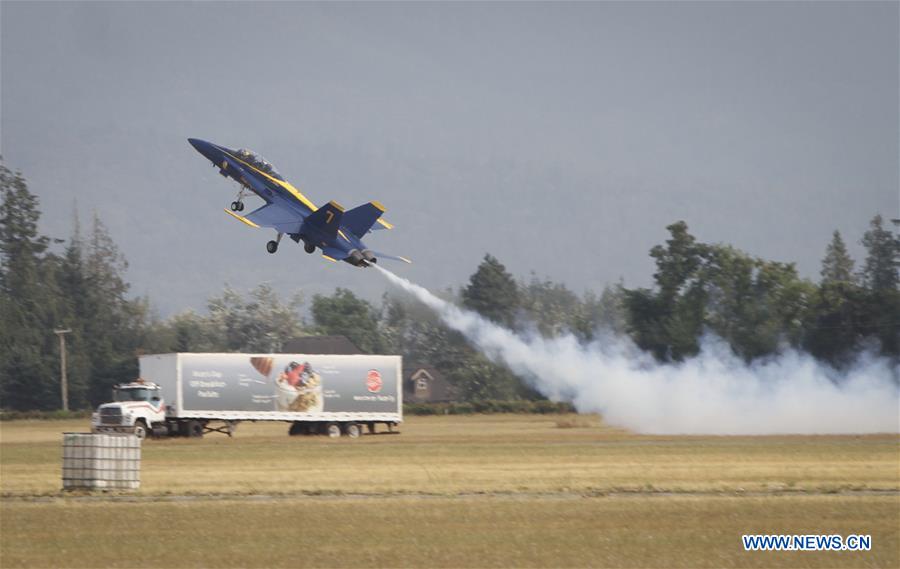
712,393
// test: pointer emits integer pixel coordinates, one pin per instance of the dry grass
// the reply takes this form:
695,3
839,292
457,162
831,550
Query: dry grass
638,531
471,454
484,491
576,422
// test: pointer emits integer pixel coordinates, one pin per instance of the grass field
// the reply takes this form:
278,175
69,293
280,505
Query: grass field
455,491
682,531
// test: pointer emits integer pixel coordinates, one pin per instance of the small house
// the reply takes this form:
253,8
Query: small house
425,384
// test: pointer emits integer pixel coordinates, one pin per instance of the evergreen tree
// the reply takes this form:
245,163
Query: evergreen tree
29,358
492,292
837,266
880,278
882,259
21,246
114,325
76,311
835,322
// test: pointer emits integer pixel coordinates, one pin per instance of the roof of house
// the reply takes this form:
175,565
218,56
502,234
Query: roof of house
321,345
439,388
411,368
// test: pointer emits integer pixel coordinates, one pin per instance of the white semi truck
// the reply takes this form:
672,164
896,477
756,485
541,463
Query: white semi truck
193,394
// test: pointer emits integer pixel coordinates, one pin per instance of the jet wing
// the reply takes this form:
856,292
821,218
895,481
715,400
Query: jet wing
277,217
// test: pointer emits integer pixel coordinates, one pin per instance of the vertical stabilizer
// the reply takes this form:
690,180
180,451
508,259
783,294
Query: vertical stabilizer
325,221
360,220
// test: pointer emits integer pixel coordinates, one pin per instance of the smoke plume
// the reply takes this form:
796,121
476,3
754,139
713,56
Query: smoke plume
712,393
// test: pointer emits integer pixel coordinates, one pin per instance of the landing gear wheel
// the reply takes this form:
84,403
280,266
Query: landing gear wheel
240,206
272,246
309,248
234,206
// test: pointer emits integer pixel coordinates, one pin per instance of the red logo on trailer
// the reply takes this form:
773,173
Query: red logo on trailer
373,381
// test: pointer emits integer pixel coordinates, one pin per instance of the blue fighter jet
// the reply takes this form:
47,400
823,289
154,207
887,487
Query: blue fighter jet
338,233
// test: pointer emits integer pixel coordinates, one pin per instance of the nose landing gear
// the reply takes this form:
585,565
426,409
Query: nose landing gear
238,203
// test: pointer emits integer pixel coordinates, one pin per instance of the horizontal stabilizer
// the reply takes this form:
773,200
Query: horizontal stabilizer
381,256
360,220
334,254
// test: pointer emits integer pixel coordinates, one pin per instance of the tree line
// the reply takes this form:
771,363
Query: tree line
759,307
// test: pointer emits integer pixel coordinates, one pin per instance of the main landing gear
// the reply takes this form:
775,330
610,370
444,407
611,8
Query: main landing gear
272,246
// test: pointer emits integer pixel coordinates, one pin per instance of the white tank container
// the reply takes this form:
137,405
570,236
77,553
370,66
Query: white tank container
101,461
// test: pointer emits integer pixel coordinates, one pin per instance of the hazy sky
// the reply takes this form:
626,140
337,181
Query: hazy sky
562,138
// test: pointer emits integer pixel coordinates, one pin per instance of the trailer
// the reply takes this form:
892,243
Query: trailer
190,394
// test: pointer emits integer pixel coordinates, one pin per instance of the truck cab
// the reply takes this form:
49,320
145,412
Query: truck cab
137,408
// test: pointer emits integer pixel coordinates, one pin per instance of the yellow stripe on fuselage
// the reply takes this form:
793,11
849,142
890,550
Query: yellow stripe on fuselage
290,189
300,197
240,218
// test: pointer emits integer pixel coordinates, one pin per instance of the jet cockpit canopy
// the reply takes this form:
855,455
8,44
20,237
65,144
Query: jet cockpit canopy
258,162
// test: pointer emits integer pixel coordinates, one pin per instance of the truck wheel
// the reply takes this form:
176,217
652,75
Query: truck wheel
298,428
333,430
352,430
192,429
140,429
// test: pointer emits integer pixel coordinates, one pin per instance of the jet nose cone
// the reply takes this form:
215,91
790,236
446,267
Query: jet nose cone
205,148
198,144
